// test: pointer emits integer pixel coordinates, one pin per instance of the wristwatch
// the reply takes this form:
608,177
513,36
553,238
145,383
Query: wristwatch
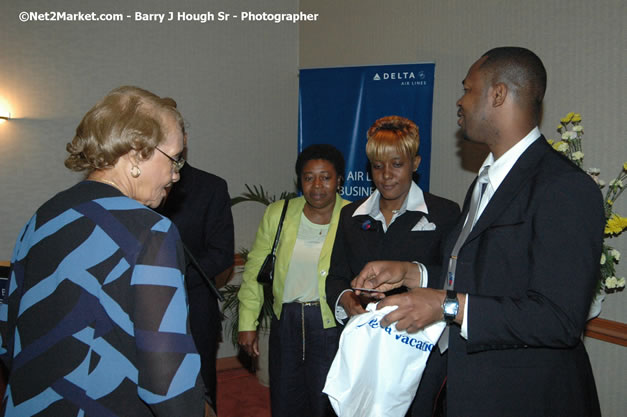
450,306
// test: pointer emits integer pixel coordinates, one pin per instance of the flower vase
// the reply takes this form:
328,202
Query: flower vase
595,306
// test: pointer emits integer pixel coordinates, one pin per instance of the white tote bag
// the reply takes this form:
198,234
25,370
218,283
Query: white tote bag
376,370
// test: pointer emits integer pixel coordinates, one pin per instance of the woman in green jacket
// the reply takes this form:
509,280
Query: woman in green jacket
303,336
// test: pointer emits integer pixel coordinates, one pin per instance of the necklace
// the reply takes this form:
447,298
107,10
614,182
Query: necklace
389,210
109,182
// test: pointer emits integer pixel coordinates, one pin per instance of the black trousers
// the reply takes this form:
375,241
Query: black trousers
430,398
205,325
298,371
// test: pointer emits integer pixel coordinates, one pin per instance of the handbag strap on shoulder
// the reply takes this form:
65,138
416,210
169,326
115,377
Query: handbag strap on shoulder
278,231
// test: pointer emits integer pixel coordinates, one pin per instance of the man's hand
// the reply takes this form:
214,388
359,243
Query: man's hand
351,304
387,275
416,310
249,342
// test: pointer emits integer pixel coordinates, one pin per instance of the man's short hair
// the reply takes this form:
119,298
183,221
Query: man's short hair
521,70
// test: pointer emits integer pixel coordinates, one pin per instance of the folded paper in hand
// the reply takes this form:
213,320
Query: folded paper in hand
376,370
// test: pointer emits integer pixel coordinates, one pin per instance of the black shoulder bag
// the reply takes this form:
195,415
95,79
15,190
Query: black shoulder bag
266,273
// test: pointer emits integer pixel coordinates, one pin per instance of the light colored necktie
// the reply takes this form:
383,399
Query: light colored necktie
475,202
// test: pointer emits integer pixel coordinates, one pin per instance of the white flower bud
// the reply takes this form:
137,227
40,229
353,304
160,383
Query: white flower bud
593,171
611,283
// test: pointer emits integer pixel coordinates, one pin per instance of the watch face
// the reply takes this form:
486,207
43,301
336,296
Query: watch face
451,307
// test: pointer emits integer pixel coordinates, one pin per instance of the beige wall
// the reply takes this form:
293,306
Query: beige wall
583,45
236,84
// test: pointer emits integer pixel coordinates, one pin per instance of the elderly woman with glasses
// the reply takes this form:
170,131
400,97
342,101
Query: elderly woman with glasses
96,311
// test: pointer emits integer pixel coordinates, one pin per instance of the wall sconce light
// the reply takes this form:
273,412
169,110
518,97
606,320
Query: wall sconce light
5,110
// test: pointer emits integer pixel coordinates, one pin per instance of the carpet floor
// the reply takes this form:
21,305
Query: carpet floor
241,395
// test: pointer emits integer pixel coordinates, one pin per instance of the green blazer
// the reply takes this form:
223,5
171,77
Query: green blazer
251,292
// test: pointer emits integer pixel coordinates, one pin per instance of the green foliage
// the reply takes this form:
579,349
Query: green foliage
259,195
230,306
243,253
230,309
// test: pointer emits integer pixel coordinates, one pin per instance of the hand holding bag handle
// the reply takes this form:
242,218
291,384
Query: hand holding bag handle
266,273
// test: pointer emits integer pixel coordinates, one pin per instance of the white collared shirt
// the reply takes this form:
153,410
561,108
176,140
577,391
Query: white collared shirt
415,201
500,168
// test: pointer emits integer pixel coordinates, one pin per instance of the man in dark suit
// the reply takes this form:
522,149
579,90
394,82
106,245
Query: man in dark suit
521,277
200,207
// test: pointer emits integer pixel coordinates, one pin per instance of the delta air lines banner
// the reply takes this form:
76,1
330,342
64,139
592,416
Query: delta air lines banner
338,106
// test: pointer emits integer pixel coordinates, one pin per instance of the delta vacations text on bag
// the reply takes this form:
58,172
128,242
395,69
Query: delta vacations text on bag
376,370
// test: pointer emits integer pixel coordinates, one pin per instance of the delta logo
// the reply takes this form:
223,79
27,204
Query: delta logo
406,75
407,78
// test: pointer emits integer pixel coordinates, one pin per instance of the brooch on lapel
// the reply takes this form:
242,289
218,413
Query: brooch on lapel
369,225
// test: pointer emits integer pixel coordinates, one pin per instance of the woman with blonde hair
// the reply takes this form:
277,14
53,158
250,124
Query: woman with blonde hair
398,221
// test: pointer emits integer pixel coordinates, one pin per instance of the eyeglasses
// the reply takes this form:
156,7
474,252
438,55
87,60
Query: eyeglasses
177,164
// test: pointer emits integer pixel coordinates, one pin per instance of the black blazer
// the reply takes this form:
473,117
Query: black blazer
530,266
200,207
354,246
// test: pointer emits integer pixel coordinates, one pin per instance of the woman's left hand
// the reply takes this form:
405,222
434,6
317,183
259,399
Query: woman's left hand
249,342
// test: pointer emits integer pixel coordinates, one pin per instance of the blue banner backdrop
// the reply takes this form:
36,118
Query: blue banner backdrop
338,105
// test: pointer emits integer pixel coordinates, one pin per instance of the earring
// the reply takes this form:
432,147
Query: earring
135,171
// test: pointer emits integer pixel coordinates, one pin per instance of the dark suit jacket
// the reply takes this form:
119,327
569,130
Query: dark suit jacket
354,247
530,266
200,207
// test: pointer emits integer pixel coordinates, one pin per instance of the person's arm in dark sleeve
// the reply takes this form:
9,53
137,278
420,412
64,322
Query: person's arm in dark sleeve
338,282
564,253
219,240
